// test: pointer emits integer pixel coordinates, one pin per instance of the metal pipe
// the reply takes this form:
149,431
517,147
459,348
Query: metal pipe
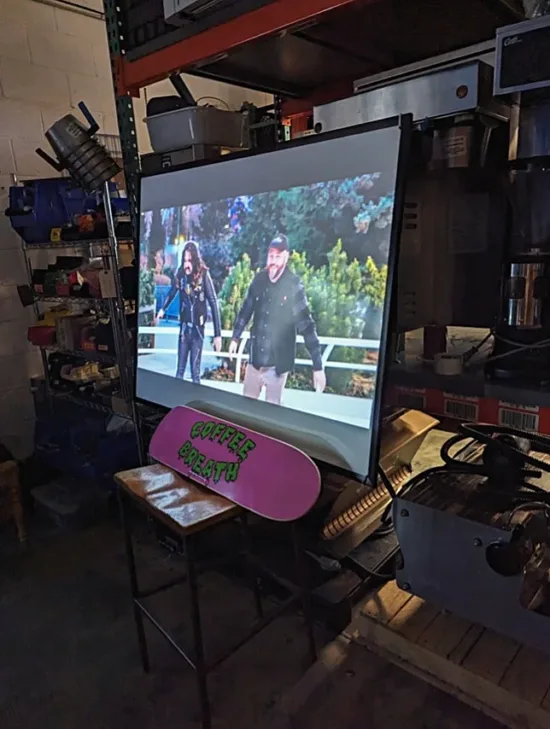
134,584
73,8
165,634
198,645
118,317
120,333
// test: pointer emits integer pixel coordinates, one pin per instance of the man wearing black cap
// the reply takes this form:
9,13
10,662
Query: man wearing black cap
277,304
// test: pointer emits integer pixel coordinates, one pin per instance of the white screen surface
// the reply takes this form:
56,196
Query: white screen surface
263,287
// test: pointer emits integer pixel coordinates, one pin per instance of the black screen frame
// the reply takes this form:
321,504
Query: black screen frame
405,123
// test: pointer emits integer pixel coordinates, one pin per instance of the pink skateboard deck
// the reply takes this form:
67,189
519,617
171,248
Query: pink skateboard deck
259,473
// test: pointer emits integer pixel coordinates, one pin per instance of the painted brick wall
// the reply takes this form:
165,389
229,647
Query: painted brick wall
50,59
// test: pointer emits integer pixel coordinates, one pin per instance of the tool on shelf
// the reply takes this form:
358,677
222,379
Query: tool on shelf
85,340
58,210
76,150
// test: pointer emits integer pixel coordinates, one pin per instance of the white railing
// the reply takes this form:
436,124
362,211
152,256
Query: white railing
329,343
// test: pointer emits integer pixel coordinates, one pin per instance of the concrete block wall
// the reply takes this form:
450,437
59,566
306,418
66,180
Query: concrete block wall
50,59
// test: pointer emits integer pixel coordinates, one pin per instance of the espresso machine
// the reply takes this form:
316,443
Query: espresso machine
522,336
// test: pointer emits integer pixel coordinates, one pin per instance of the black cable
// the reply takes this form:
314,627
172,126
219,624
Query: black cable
530,506
430,472
517,493
519,496
78,8
378,575
486,434
452,461
387,483
520,493
481,469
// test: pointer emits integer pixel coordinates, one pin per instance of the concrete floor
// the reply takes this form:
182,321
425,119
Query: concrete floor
69,659
356,689
68,652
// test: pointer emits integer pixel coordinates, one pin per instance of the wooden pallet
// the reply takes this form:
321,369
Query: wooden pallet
494,674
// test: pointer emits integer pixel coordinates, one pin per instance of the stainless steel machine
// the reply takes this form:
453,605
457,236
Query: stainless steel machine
523,330
454,228
475,538
453,231
475,533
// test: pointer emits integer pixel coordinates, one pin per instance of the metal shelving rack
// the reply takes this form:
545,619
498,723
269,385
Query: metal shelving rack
113,306
305,52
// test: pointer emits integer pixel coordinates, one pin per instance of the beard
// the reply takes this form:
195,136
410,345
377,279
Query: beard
274,272
188,268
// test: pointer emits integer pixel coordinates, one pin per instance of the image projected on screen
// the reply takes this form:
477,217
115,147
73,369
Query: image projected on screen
274,296
264,292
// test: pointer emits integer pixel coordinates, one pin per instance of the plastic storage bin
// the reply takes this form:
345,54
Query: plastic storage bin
197,125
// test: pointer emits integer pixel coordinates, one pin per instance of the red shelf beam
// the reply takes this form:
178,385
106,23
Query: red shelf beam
275,17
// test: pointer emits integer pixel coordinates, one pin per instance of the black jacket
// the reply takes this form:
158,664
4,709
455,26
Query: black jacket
193,298
279,311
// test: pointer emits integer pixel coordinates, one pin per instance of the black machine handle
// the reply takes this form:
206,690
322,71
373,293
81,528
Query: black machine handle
87,114
182,89
50,160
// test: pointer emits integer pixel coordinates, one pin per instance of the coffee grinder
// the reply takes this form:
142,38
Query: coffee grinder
522,334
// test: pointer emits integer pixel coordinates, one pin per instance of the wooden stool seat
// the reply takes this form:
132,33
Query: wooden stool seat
179,503
188,509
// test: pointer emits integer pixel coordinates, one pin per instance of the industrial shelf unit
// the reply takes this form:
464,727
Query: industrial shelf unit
306,52
122,402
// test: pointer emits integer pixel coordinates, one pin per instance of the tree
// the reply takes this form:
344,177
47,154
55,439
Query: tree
375,283
345,300
313,216
146,287
258,227
234,291
146,314
211,231
336,292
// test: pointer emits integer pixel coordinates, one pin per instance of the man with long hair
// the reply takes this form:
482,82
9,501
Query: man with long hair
196,289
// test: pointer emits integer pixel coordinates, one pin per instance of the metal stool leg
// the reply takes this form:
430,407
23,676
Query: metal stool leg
138,617
200,666
252,575
304,590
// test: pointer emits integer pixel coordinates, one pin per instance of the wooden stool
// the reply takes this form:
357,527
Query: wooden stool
187,510
10,497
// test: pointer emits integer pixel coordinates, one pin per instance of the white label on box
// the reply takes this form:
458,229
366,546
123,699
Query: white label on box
514,418
515,406
464,408
107,284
